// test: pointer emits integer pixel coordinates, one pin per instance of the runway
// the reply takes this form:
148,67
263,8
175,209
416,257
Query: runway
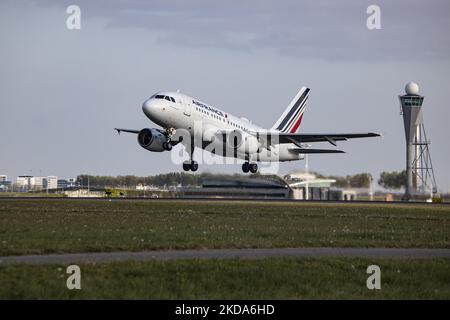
104,257
232,199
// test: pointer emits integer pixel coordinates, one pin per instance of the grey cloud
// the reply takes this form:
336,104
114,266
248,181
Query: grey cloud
304,29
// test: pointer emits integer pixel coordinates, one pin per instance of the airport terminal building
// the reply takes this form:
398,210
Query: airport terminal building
254,188
266,188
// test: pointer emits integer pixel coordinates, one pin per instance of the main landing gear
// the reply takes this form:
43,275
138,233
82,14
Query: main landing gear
252,167
191,164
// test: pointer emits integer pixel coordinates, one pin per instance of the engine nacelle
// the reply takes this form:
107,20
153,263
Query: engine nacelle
151,139
243,142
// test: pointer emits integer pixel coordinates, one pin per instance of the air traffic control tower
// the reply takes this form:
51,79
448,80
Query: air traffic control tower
420,178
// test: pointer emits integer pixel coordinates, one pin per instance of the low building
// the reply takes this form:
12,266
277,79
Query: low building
24,183
67,183
37,183
306,186
51,182
141,187
84,193
5,186
4,183
342,195
31,183
253,188
63,184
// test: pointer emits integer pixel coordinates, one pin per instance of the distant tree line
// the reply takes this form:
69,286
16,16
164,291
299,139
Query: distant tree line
389,180
393,180
360,180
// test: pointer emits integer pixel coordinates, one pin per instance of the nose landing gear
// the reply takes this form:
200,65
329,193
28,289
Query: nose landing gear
170,142
167,145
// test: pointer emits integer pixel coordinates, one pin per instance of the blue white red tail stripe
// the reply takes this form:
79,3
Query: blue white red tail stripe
291,118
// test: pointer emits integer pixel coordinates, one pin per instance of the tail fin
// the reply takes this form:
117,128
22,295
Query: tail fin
290,120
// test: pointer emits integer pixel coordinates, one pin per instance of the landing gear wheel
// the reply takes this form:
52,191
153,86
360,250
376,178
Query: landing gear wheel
194,166
245,167
253,167
186,166
167,146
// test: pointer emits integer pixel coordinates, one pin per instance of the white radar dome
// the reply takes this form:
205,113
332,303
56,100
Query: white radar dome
412,88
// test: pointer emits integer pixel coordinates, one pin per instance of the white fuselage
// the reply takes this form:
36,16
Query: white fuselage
203,121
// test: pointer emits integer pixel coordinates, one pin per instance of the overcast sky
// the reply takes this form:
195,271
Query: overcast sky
62,92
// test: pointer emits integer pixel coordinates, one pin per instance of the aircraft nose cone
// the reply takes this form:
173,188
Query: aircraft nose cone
146,107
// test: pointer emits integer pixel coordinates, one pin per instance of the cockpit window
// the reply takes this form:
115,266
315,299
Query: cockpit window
160,96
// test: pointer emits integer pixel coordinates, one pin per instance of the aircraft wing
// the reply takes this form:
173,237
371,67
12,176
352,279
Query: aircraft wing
126,130
298,138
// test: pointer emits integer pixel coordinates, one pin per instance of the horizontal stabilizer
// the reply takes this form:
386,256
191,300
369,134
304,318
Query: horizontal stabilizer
304,150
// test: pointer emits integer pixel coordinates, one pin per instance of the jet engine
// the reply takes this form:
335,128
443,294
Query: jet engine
152,140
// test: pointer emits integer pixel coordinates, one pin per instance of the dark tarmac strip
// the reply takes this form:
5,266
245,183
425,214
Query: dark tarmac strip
103,257
206,199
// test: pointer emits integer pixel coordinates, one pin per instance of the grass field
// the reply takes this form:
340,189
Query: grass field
35,226
324,278
30,195
55,226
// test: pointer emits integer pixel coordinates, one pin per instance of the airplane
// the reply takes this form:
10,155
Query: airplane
187,120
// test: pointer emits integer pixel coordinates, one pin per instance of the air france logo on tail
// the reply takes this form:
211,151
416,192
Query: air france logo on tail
290,120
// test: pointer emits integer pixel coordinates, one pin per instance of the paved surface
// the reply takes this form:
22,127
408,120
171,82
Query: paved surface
226,199
388,253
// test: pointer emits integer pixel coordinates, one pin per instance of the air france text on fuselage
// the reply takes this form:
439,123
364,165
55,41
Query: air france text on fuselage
211,109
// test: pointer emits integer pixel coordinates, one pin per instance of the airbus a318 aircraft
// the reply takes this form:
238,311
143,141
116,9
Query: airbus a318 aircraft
193,123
